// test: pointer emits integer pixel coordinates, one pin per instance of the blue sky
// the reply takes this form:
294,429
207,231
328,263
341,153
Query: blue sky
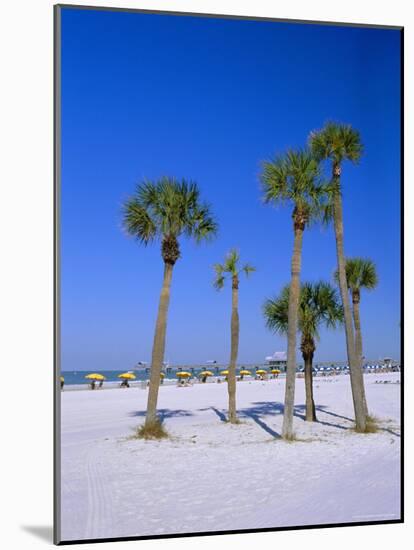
207,99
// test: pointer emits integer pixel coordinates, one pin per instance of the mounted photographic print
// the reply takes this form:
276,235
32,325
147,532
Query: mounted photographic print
228,325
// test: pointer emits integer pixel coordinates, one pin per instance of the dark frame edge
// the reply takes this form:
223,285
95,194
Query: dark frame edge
56,271
232,532
402,245
227,16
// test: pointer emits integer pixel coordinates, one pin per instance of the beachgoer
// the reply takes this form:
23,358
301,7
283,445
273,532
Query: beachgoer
101,384
62,383
93,385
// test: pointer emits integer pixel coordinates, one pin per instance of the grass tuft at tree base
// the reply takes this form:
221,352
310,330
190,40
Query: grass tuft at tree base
155,430
371,426
290,438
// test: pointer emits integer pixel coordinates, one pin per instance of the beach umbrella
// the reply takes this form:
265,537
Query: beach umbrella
206,373
244,372
261,371
224,372
162,374
95,376
62,379
183,374
127,376
275,371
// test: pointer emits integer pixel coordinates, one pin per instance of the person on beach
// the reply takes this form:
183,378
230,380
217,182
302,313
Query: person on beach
93,384
62,383
100,384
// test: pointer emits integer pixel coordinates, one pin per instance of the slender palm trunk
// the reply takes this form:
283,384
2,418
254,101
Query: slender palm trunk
294,293
354,365
231,378
158,347
310,415
358,341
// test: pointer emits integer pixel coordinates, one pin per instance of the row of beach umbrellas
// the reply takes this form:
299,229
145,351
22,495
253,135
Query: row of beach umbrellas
181,374
243,372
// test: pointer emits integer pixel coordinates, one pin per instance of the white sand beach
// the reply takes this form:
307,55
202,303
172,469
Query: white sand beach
213,476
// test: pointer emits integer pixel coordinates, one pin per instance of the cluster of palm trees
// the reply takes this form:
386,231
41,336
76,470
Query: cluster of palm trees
168,209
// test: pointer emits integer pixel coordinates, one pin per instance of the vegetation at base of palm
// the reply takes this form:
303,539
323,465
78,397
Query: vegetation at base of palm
360,274
154,430
294,178
231,267
165,210
338,143
319,305
371,426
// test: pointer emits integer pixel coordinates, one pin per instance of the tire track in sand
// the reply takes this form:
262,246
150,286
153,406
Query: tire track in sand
99,519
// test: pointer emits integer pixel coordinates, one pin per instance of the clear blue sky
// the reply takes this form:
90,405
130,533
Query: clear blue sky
208,99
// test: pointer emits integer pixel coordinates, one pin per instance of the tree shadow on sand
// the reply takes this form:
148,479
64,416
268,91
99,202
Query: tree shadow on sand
271,408
164,414
222,416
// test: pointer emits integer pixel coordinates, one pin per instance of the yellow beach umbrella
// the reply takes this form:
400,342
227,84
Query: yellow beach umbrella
206,373
261,371
245,372
62,379
183,374
95,376
275,371
162,374
127,376
224,372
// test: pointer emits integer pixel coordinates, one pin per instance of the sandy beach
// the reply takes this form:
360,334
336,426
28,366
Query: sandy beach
213,476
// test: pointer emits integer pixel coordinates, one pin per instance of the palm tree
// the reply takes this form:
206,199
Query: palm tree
231,266
360,273
165,210
337,143
319,305
294,178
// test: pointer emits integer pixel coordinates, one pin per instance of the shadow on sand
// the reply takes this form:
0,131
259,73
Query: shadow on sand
256,413
164,414
271,408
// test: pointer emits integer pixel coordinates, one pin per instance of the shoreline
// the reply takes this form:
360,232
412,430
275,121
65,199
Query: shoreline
143,384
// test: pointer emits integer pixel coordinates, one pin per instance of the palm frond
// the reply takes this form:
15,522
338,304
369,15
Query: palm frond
275,311
138,222
319,304
247,268
360,273
296,177
230,267
337,142
168,208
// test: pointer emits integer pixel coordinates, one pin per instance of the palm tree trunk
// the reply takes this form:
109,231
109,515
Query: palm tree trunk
231,378
354,365
294,293
158,347
358,343
310,403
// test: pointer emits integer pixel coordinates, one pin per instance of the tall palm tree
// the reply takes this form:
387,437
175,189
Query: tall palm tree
360,273
294,178
338,143
319,305
231,267
165,210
